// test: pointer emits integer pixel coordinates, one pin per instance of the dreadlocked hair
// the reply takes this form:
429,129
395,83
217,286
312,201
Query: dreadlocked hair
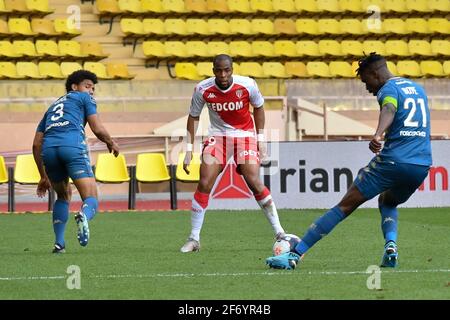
365,62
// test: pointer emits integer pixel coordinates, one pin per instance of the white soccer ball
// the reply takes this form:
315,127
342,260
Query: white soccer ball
286,244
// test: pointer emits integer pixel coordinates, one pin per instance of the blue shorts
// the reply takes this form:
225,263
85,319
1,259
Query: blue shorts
63,162
401,179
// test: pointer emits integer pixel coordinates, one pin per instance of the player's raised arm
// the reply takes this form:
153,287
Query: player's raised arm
102,134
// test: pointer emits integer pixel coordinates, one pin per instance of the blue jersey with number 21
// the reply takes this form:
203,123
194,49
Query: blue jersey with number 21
63,123
408,137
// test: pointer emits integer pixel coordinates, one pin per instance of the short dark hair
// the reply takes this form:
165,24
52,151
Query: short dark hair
222,57
78,76
365,62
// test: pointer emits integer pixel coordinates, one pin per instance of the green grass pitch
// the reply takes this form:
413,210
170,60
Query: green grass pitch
135,255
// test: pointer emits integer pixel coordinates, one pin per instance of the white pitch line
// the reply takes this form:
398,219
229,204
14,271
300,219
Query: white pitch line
238,274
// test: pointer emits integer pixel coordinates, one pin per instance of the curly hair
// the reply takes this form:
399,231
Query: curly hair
365,62
78,76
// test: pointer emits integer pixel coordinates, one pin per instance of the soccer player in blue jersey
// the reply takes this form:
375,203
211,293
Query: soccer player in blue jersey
399,167
60,152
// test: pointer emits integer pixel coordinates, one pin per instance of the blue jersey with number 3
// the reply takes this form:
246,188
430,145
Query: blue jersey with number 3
408,137
63,123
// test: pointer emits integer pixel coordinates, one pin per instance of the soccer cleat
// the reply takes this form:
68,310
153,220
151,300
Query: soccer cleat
83,229
286,261
191,245
59,248
390,256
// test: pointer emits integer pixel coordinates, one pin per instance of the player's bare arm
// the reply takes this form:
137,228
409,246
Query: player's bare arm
386,118
191,128
44,183
259,116
102,134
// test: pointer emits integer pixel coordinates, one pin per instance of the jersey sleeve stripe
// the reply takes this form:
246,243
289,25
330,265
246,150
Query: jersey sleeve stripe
391,100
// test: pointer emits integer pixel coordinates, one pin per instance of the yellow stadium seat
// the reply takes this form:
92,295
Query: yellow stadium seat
66,26
318,69
440,47
118,71
420,47
175,26
50,70
284,6
4,30
25,48
395,25
194,168
205,69
47,48
397,48
296,69
396,6
251,69
151,167
28,70
351,26
236,68
262,26
241,26
198,6
187,70
352,48
374,46
263,48
262,5
218,47
446,67
418,6
439,25
341,69
3,171
417,25
40,6
20,26
284,26
111,169
329,26
7,50
8,70
175,49
329,6
68,68
70,48
218,26
43,27
98,68
330,47
26,170
392,68
308,48
240,49
152,26
107,7
130,26
3,8
197,49
285,48
373,26
16,6
275,69
93,49
307,5
307,26
197,26
431,68
130,6
439,5
174,6
370,5
152,6
408,68
351,6
240,6
217,6
154,49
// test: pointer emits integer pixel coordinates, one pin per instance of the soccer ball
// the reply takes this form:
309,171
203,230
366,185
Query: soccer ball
286,244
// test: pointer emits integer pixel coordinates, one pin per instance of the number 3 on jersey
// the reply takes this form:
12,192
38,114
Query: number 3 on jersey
58,109
410,102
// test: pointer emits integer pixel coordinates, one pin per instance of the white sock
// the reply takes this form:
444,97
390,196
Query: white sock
197,217
268,206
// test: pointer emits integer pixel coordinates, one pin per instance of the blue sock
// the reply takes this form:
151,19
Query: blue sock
389,220
320,228
60,216
89,207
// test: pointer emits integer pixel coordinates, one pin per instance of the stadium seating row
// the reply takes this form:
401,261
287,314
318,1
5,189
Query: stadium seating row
25,7
44,49
45,70
179,27
21,27
310,69
139,7
285,48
